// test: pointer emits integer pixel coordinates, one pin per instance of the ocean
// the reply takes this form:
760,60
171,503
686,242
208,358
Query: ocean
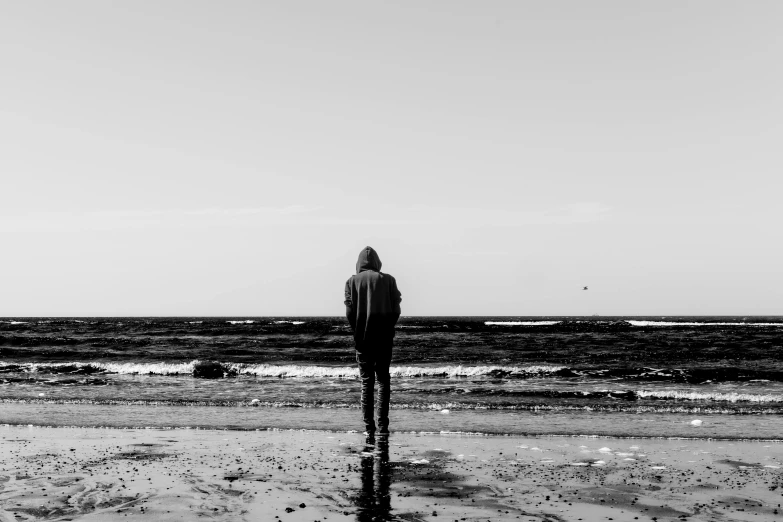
689,377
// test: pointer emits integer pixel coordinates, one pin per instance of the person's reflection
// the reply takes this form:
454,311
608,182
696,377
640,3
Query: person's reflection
374,499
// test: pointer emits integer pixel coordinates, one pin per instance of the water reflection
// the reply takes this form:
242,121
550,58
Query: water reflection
374,500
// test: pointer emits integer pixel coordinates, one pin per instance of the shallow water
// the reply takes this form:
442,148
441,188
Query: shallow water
505,422
568,375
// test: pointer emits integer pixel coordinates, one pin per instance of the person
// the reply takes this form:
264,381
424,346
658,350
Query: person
372,307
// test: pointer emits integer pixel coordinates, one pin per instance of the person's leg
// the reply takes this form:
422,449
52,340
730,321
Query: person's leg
382,363
367,375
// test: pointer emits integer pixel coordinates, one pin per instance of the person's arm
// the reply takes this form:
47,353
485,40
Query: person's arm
350,312
396,298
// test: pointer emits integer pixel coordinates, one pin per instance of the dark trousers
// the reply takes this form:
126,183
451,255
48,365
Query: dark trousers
375,366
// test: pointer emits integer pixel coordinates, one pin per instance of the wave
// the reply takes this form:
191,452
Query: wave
279,371
626,395
251,321
710,396
452,407
267,370
689,375
677,375
82,368
521,323
683,323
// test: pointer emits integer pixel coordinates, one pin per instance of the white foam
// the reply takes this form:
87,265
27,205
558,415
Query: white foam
290,322
711,396
241,322
120,368
293,370
268,370
683,323
147,368
521,323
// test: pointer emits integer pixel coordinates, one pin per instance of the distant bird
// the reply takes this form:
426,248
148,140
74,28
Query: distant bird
585,288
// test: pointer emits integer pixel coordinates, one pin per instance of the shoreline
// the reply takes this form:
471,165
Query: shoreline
113,474
477,434
512,423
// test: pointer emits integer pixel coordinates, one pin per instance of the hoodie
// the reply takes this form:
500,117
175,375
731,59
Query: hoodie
372,301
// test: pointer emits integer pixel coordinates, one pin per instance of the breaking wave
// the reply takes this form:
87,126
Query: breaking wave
279,371
710,396
626,395
521,323
684,323
230,369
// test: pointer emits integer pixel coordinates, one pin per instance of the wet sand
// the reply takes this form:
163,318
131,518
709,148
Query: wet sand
116,474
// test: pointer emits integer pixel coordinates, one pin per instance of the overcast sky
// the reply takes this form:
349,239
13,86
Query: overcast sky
233,158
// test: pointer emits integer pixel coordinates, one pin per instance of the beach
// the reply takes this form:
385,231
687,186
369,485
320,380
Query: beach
492,418
295,475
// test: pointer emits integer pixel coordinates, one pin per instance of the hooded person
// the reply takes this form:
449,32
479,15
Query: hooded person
372,307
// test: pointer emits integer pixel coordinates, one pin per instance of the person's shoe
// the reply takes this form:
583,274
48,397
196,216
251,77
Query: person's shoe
384,430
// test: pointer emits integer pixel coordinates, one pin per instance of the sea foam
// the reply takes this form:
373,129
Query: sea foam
709,396
683,323
521,323
279,371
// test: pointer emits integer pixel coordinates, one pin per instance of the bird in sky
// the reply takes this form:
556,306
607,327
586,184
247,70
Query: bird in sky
585,288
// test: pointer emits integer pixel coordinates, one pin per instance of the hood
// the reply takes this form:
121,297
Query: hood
368,260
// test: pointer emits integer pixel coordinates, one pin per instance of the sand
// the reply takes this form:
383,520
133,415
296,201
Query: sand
180,474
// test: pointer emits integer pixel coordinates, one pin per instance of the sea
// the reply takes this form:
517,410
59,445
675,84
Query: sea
644,377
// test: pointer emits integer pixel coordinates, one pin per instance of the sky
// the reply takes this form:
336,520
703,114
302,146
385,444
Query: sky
191,157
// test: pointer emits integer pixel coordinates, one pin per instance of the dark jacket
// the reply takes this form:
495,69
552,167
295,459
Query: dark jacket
372,302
